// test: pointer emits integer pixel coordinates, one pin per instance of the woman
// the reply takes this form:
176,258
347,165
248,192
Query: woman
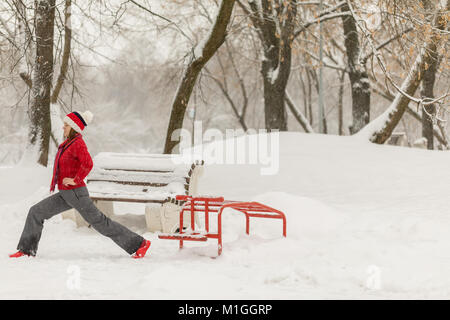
72,164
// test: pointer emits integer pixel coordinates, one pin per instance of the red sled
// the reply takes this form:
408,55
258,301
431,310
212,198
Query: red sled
208,205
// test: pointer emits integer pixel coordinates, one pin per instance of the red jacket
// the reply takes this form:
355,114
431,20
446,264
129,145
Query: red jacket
72,161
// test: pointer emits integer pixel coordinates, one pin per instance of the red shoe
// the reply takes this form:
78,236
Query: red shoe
140,253
18,254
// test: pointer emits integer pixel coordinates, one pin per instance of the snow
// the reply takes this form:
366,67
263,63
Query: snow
273,74
363,221
137,161
200,47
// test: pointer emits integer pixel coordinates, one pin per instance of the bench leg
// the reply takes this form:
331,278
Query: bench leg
106,207
153,217
69,214
79,220
170,218
73,215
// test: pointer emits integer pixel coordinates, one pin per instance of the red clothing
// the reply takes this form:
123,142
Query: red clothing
72,161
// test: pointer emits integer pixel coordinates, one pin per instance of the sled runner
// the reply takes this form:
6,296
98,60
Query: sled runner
216,205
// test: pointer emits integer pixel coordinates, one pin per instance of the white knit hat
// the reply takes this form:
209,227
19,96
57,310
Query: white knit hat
78,120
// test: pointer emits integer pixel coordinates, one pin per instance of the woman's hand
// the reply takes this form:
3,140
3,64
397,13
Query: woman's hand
69,182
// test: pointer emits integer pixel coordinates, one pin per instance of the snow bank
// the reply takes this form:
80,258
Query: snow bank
363,221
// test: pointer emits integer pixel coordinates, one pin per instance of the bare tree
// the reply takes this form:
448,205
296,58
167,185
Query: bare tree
427,87
416,115
357,73
224,87
299,116
199,56
275,23
379,130
42,79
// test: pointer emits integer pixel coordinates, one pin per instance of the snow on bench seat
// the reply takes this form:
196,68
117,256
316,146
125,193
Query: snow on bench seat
133,177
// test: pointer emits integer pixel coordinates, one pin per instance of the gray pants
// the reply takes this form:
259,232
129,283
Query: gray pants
77,198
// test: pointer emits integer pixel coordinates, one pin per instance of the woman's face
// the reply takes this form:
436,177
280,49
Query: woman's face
66,129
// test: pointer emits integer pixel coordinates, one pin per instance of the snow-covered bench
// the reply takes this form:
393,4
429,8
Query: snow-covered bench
153,179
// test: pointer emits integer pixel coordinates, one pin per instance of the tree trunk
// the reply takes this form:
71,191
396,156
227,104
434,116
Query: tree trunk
42,79
341,104
201,55
311,116
357,73
314,76
275,21
274,107
429,110
427,91
298,115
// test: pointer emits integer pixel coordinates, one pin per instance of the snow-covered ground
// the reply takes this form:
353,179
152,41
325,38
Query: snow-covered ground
363,221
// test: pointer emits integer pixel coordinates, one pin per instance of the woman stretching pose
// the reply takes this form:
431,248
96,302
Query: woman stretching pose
72,164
